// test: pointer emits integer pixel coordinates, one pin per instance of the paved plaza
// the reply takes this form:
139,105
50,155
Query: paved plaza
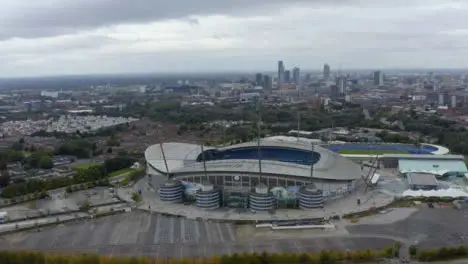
340,206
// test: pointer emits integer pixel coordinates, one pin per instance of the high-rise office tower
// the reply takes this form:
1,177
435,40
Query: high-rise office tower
341,84
441,99
267,83
296,75
378,78
326,71
258,79
453,101
334,92
280,80
287,76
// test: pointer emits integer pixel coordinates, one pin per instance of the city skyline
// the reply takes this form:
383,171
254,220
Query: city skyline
88,37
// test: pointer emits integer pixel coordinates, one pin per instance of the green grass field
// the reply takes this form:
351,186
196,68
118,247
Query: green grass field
371,151
83,165
120,172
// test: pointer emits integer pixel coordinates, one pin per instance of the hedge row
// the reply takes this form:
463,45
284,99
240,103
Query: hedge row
329,257
441,254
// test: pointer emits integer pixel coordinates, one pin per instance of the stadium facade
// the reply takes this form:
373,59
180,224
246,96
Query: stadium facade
262,175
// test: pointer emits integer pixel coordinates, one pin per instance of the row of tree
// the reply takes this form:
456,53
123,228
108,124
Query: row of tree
40,159
79,148
92,173
328,257
34,186
441,254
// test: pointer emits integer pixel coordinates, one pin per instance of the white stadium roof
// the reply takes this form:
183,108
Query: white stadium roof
181,160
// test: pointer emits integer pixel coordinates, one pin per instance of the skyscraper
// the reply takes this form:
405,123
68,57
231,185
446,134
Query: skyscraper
341,84
326,71
287,76
267,83
258,79
296,75
280,80
378,78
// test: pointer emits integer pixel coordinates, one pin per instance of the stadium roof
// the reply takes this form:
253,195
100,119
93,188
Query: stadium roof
436,166
181,160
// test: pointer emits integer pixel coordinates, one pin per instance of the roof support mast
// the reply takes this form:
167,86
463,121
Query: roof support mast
312,163
258,141
204,161
298,125
162,152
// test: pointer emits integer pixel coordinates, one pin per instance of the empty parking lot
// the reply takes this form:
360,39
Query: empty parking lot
428,228
140,233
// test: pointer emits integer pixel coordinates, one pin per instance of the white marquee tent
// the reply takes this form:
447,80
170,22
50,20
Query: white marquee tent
451,192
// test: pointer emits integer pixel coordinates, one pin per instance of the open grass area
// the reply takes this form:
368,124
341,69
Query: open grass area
84,165
120,172
371,151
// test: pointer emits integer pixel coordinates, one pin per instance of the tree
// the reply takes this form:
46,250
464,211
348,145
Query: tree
46,162
118,163
413,250
4,174
15,156
85,205
17,146
136,197
77,147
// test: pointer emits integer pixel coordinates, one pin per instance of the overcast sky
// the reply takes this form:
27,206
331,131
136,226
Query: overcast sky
53,37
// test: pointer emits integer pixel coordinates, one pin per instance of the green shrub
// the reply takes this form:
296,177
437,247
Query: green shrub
413,250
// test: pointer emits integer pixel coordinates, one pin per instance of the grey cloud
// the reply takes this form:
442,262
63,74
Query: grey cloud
69,16
26,19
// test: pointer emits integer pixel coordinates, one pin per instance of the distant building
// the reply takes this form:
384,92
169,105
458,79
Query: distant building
453,101
287,77
341,84
267,82
296,75
248,97
334,92
280,77
49,94
183,89
378,78
258,79
32,105
441,99
326,71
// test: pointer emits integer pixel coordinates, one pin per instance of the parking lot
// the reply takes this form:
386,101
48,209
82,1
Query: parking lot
427,228
140,233
59,201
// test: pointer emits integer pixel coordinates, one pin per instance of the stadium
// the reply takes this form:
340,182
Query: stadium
260,175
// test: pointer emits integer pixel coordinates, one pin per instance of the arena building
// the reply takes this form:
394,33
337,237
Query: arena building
261,175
